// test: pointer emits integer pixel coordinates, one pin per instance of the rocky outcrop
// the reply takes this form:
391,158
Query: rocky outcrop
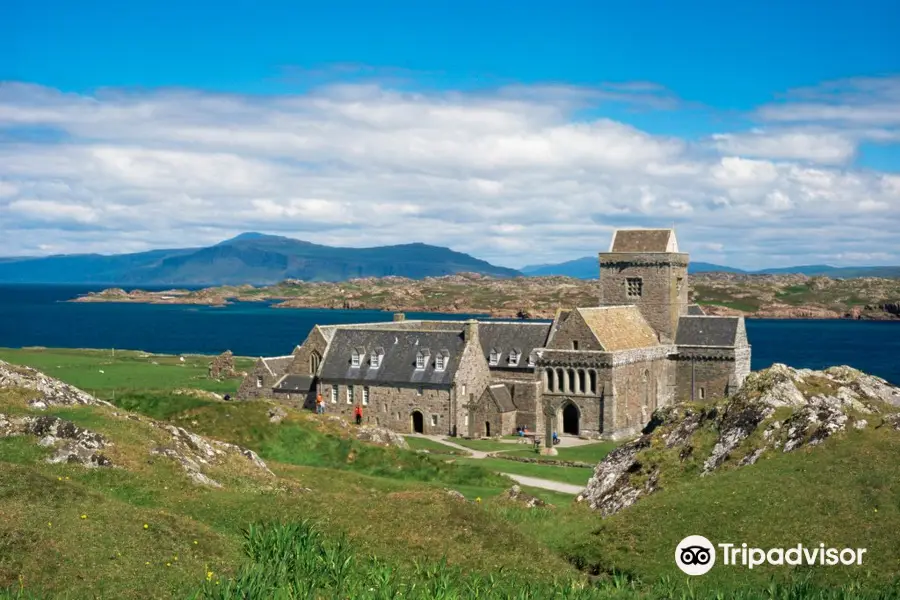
48,391
515,494
194,452
381,436
276,414
779,409
71,444
74,444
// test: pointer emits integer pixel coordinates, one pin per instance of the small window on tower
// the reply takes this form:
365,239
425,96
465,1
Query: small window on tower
634,287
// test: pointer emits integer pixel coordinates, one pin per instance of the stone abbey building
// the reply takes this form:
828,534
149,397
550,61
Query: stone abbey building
597,371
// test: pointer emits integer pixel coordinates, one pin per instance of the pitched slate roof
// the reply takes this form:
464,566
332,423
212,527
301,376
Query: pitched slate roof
500,394
644,240
619,327
398,365
277,365
504,336
707,331
293,384
694,310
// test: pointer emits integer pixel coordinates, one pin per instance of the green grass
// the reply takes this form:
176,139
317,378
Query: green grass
589,453
127,370
485,445
417,443
572,475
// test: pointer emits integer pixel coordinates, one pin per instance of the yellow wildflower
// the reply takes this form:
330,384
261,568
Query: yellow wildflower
209,575
84,516
478,499
174,558
146,526
49,524
195,542
168,564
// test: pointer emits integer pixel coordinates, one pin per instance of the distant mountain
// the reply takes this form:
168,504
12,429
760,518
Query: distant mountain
252,258
588,268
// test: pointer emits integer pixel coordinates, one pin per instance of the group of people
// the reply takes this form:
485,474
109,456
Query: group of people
320,409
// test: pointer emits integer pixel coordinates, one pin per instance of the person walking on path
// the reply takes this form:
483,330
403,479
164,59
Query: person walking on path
357,412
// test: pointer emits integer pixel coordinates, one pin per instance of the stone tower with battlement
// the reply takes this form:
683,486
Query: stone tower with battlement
644,268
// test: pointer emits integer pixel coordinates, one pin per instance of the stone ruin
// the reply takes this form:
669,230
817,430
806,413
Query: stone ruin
222,367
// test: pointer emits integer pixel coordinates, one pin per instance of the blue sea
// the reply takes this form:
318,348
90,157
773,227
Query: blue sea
33,315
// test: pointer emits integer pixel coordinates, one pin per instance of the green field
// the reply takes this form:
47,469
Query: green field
589,453
345,519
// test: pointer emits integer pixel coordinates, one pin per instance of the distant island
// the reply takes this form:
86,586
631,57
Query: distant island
756,296
259,259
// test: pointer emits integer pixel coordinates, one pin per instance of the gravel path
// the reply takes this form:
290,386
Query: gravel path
556,486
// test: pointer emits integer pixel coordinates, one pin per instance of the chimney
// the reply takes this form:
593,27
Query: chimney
470,331
399,316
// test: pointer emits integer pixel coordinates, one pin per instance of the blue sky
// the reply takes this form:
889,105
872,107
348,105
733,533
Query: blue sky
368,123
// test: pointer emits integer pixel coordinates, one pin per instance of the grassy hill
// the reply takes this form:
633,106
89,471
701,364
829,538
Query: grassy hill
345,519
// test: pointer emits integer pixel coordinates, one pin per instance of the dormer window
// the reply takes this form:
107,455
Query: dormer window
514,357
441,360
356,356
532,359
495,357
422,357
375,358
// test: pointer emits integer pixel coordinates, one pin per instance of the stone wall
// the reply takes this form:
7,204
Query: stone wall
393,407
641,387
316,343
472,378
704,373
525,389
257,384
573,330
298,400
485,412
664,283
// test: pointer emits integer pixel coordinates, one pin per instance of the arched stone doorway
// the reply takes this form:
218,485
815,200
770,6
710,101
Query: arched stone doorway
570,419
418,422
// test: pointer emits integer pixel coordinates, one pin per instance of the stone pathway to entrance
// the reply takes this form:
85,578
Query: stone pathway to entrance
555,486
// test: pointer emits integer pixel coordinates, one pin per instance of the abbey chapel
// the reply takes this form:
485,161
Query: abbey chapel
596,371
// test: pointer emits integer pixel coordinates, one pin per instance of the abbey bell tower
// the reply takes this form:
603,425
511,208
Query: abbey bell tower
644,268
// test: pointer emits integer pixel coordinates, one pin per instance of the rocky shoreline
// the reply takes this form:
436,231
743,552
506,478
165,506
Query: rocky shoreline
766,297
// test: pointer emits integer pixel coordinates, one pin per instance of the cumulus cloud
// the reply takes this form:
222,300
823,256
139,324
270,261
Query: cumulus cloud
515,175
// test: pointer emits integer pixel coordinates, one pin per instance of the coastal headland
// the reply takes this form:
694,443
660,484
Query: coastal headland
753,296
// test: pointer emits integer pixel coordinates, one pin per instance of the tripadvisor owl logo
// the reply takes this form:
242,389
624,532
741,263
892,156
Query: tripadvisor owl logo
695,555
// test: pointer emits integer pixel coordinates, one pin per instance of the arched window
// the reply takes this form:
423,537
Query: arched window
593,377
573,382
314,359
560,380
582,381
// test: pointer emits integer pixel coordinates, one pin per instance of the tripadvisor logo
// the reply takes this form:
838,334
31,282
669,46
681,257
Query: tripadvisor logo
696,555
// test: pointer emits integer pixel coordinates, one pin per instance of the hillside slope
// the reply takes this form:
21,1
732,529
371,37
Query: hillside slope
247,259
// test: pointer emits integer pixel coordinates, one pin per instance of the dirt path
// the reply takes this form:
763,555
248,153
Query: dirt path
556,486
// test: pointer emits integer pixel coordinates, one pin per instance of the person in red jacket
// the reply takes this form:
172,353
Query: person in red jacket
357,412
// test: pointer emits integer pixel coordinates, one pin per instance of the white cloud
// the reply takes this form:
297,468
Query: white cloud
513,176
826,147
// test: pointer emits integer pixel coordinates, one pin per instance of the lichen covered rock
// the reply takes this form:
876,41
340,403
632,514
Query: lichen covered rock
72,444
381,436
779,409
49,391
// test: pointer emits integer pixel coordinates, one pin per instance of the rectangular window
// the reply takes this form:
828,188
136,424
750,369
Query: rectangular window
462,390
418,391
434,419
634,287
366,396
574,344
334,394
439,362
355,358
349,394
259,381
420,361
702,393
376,360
